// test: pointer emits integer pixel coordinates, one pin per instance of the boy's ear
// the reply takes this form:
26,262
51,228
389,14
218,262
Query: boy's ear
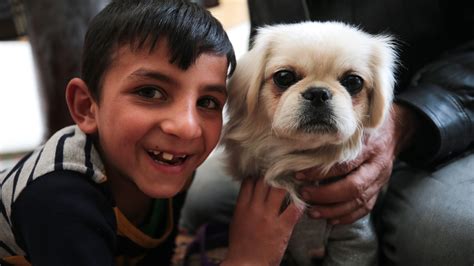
82,106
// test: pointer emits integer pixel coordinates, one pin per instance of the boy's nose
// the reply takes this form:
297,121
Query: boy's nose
184,124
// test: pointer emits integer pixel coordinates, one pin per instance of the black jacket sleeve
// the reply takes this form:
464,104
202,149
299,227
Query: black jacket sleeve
442,94
65,219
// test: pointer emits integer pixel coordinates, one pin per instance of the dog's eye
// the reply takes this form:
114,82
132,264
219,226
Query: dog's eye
352,83
284,78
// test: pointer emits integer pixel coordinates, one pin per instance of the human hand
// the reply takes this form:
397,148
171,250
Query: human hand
259,231
354,196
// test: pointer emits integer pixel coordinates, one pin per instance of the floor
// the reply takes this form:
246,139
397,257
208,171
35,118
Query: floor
21,113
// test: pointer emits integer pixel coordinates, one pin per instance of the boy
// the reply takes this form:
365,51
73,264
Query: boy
148,111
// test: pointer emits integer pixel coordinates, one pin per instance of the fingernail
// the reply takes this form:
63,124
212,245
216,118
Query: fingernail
315,214
299,176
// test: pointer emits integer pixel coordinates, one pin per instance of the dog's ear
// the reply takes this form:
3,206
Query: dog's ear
383,64
248,77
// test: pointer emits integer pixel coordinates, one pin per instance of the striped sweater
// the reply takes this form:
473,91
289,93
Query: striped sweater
68,149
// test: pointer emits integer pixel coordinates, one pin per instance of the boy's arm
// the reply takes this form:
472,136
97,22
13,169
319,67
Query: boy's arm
64,219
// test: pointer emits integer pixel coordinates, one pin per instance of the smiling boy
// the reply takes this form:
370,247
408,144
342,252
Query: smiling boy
157,123
148,111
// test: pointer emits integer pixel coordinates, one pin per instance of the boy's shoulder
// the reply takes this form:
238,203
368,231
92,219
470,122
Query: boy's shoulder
63,176
68,193
67,150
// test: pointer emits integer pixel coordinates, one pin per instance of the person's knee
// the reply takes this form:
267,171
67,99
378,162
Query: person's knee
428,235
426,221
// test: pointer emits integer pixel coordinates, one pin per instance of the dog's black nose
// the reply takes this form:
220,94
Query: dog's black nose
317,95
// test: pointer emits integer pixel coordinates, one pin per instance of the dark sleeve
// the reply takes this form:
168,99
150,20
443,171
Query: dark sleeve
442,95
65,219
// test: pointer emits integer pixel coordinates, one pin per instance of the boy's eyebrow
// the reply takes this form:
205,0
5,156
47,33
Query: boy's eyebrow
217,88
144,73
141,73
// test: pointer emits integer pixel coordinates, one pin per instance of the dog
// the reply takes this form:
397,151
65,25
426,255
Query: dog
303,97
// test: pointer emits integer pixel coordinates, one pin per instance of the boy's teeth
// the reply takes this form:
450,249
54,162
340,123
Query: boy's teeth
167,156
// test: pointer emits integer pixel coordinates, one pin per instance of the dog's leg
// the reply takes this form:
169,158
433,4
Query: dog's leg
307,245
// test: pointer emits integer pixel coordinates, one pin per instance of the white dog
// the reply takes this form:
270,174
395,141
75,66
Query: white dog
304,96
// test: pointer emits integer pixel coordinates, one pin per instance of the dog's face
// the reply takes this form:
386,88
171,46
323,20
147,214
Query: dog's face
314,81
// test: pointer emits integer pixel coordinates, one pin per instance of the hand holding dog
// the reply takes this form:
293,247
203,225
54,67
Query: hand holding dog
354,196
259,232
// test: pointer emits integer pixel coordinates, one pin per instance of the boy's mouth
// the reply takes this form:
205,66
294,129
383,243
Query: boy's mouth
166,158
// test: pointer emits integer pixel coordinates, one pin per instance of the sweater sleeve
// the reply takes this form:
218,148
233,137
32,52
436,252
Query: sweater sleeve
63,218
442,95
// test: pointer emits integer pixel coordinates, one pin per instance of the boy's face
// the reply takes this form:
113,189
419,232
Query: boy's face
156,122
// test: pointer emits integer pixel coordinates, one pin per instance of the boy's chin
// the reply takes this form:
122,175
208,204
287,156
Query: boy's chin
164,190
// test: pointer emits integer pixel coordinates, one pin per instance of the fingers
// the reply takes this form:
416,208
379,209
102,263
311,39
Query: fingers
350,198
357,214
270,200
276,197
259,194
261,191
345,212
332,211
343,190
351,187
259,233
246,192
291,215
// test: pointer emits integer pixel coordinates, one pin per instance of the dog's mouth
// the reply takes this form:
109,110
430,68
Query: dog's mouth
317,120
320,125
167,158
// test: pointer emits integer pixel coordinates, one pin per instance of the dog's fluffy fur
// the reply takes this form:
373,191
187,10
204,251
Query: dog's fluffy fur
313,119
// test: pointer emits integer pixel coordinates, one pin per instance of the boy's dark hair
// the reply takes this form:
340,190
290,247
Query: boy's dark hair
190,30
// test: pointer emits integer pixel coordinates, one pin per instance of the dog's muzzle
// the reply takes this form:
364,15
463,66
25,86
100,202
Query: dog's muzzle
316,111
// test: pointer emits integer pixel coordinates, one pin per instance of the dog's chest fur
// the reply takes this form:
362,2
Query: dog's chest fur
278,159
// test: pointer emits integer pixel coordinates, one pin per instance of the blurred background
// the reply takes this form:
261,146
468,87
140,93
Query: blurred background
40,46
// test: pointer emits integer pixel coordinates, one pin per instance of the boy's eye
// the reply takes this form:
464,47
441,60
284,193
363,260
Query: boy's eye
150,92
209,103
